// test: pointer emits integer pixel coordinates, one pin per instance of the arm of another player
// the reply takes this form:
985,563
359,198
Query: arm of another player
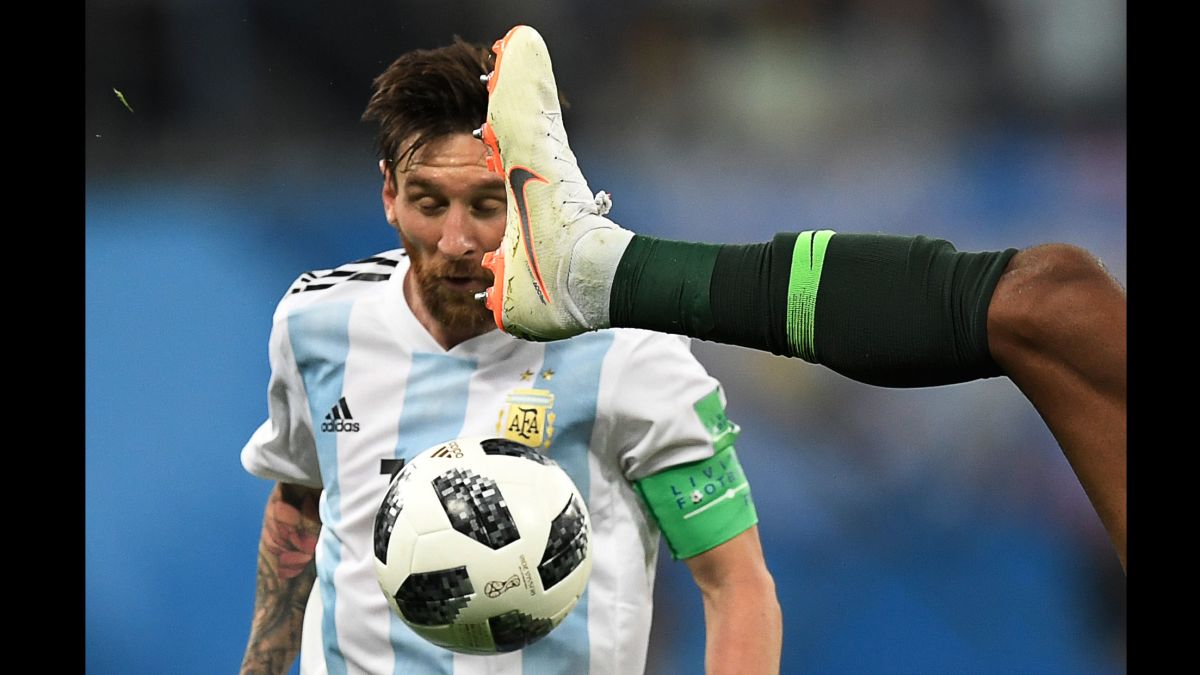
286,572
742,618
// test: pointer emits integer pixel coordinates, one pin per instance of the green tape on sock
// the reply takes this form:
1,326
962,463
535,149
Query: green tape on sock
808,257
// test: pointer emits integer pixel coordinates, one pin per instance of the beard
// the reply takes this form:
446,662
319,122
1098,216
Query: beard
457,310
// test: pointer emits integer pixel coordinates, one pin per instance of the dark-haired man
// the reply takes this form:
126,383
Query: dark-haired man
397,343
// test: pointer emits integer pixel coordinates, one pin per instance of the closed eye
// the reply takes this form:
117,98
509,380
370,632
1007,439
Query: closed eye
429,206
486,208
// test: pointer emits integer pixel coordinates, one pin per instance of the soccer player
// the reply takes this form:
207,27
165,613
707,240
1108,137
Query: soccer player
385,356
886,310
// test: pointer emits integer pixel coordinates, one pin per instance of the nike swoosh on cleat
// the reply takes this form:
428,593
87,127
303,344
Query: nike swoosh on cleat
518,177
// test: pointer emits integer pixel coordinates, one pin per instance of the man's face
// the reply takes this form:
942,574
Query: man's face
449,210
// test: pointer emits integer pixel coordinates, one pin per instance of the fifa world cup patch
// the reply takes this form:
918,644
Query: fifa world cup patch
528,417
712,415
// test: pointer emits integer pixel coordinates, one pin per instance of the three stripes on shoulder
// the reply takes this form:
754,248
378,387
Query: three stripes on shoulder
375,268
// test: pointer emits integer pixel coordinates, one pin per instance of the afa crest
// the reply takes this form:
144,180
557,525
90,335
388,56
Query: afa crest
528,417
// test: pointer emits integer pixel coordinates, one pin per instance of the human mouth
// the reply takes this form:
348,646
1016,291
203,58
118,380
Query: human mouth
465,284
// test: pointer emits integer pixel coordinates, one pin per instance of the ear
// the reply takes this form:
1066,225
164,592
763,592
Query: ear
389,194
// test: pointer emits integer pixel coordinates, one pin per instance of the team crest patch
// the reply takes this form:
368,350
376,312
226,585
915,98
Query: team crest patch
528,417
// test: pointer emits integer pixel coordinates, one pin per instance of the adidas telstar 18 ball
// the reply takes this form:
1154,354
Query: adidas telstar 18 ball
482,545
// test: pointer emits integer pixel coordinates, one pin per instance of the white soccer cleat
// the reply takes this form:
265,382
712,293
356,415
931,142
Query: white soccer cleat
550,207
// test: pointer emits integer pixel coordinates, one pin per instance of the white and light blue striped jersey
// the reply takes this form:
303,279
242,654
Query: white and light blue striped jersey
356,379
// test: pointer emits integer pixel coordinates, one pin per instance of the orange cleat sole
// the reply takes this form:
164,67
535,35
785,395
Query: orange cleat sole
494,261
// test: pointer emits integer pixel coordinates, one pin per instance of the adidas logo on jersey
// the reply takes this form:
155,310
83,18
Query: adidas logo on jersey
339,418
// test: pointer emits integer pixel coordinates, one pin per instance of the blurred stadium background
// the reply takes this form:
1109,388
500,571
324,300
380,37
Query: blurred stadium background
921,531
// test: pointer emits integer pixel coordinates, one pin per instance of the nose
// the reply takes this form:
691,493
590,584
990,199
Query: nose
460,233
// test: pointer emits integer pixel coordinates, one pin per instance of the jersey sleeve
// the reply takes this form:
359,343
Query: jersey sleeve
283,447
651,406
675,445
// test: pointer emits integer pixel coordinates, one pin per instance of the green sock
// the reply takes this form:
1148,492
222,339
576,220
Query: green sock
663,285
894,311
729,293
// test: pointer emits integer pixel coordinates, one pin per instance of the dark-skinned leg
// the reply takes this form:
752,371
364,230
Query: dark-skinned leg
1057,327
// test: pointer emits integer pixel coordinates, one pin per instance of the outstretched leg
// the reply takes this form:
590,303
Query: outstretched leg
882,309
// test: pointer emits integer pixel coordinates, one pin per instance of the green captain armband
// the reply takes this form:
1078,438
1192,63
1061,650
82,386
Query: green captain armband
701,504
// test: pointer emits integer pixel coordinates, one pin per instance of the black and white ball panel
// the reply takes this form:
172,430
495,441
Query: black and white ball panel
435,598
400,548
389,510
566,545
514,630
475,507
505,447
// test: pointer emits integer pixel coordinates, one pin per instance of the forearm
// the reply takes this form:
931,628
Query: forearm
742,619
286,572
744,627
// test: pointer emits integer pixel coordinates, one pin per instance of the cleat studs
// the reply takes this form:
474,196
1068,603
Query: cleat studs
485,78
481,296
478,133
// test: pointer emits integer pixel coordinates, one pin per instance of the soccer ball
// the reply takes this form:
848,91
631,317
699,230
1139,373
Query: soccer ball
482,545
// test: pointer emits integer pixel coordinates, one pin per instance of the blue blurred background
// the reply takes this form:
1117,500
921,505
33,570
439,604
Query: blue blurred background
920,531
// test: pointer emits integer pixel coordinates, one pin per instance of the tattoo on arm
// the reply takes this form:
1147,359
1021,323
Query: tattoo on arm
290,529
286,573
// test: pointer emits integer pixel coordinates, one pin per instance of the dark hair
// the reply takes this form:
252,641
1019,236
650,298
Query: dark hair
426,94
